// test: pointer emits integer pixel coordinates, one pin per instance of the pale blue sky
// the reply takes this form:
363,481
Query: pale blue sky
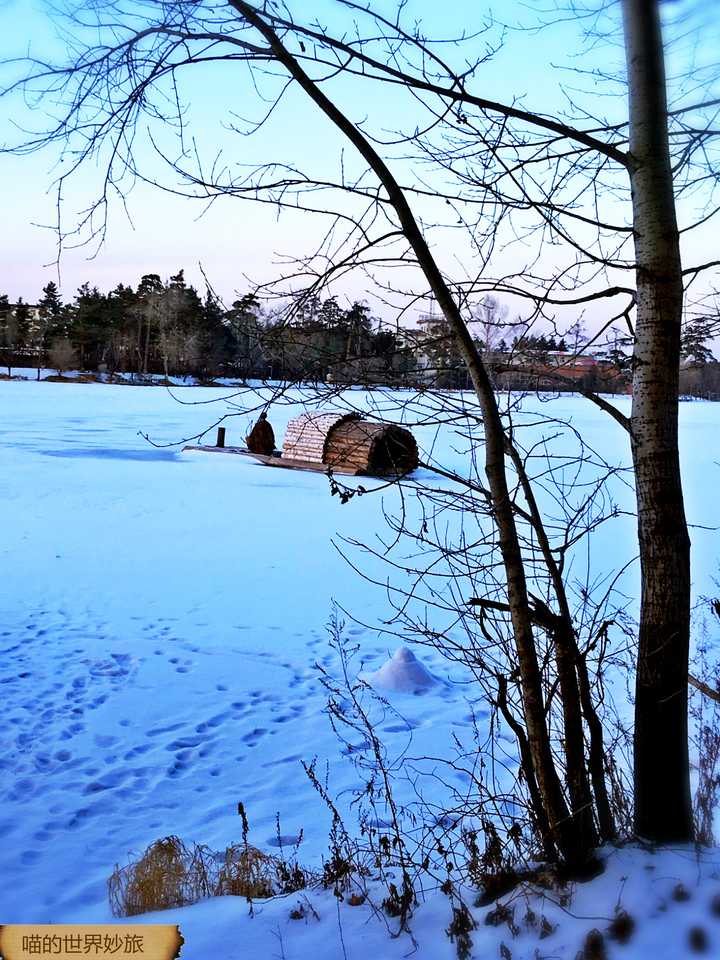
236,238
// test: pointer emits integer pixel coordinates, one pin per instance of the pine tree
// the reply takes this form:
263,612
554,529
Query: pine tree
7,332
51,313
697,332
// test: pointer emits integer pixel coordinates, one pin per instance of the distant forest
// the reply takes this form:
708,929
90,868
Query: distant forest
168,328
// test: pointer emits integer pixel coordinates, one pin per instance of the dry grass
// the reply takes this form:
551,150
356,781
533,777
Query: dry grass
173,874
247,872
168,874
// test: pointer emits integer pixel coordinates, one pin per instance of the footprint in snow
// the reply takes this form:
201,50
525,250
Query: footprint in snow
284,840
157,731
252,738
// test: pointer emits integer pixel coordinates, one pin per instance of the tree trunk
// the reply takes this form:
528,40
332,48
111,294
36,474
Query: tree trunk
662,789
570,840
146,353
576,698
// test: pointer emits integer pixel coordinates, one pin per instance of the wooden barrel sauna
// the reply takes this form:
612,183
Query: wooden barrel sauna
347,442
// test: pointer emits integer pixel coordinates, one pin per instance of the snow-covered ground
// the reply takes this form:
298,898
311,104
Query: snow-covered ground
161,615
672,900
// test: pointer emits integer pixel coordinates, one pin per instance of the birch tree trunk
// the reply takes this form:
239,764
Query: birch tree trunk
662,790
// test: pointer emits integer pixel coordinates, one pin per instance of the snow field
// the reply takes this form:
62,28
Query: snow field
161,615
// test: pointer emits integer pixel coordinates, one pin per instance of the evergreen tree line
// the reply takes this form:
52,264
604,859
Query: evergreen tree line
166,327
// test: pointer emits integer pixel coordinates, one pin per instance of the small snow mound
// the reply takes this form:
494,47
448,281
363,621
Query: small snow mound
403,673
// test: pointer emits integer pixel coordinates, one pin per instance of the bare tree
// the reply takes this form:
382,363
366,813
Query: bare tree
62,355
9,334
661,697
501,170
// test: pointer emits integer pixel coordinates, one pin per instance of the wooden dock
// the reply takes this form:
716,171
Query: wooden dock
277,460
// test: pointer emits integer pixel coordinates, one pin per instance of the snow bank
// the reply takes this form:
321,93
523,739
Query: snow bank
663,905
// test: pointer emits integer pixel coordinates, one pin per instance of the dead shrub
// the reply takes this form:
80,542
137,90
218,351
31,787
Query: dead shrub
461,926
593,947
621,927
168,874
173,874
705,712
247,872
291,877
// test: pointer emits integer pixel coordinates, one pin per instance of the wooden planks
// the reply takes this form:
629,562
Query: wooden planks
207,449
378,448
289,463
306,435
351,443
276,460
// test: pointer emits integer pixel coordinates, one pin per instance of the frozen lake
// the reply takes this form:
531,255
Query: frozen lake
161,615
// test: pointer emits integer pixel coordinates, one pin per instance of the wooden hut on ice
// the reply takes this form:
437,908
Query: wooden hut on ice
345,443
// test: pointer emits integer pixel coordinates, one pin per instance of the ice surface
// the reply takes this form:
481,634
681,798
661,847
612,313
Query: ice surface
161,618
